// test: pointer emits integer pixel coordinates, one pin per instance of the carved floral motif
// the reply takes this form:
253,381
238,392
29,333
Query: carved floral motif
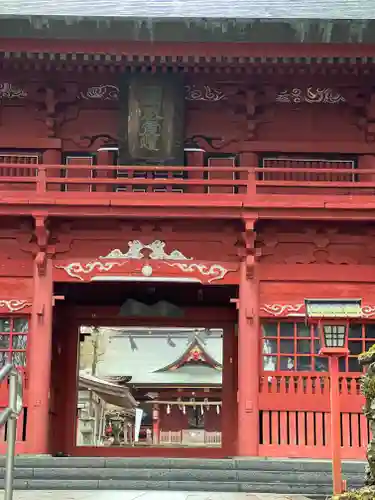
135,252
106,92
14,305
216,271
101,92
76,269
285,310
310,95
192,93
104,264
368,311
9,91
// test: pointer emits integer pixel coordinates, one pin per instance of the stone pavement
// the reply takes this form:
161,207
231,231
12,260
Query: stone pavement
145,495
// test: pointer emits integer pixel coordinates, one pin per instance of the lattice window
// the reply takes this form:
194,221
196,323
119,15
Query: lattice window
361,338
27,160
290,162
294,346
221,160
74,161
13,340
291,347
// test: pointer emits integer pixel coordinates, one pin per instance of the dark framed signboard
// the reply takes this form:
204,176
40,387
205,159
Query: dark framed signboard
152,119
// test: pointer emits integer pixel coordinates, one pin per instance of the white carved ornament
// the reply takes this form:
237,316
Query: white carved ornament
136,252
310,95
14,305
285,310
112,93
136,248
368,311
9,91
101,92
282,309
192,93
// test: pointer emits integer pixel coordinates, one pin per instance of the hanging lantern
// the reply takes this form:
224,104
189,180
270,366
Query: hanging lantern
202,410
184,409
205,401
170,341
168,409
218,409
133,345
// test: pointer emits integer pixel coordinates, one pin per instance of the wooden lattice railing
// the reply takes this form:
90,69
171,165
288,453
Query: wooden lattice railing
295,415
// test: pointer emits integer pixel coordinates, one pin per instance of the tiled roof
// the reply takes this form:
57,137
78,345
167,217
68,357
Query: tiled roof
240,9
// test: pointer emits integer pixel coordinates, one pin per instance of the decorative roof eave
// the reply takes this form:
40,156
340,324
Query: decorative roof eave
180,62
184,359
189,29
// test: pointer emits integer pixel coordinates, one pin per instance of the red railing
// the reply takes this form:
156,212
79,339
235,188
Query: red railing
186,180
192,180
295,416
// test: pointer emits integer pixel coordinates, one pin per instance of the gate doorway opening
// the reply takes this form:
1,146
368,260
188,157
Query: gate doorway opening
144,370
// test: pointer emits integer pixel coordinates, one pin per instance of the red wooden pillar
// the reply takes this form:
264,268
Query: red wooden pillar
156,425
39,358
248,365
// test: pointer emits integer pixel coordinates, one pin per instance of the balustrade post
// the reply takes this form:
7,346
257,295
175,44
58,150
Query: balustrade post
366,162
104,158
196,159
41,184
248,354
250,161
49,157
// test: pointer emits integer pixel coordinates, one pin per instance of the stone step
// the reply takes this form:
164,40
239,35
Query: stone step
176,463
311,491
307,477
304,477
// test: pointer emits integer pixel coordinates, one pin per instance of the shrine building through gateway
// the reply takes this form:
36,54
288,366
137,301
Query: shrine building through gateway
158,374
147,338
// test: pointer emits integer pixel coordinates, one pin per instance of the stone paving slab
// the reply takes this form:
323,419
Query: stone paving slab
145,495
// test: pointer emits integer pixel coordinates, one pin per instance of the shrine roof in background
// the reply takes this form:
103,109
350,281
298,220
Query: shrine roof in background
262,21
154,356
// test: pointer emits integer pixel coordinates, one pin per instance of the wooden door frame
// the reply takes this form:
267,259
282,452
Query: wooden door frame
103,316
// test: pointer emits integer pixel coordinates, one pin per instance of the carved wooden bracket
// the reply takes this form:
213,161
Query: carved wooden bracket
249,251
42,236
369,120
41,231
36,241
257,110
362,103
55,103
41,263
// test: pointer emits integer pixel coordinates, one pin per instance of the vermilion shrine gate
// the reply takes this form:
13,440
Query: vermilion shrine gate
167,207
